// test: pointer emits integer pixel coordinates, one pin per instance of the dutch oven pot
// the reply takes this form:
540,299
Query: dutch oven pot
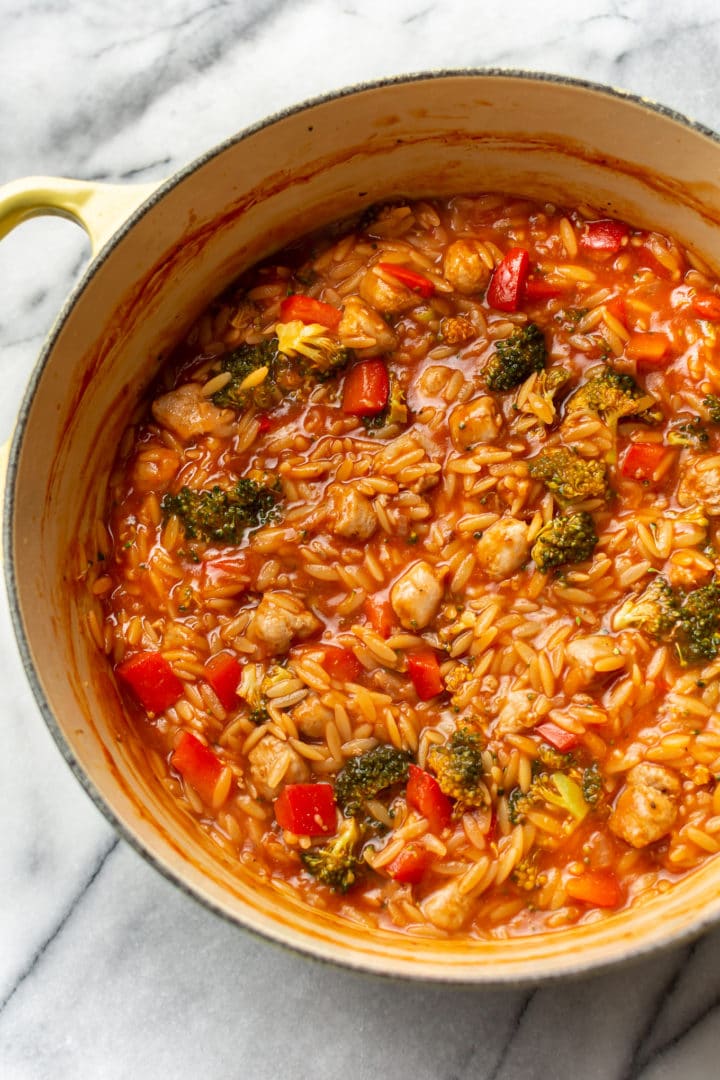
153,274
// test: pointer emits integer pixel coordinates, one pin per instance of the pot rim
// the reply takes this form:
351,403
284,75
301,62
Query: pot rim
355,961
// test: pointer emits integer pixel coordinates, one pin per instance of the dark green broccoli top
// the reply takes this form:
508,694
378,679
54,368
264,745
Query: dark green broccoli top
515,358
364,776
221,515
563,540
570,477
241,363
698,630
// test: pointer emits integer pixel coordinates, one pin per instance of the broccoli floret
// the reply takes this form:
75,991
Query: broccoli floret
256,373
337,863
690,433
656,610
458,766
570,477
221,515
698,629
515,358
364,776
321,354
613,395
592,784
552,759
712,404
693,624
558,789
569,787
519,802
527,875
563,540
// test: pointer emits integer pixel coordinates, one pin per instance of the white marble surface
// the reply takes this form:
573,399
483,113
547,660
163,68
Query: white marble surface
105,969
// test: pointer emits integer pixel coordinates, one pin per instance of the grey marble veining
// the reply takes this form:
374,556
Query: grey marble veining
106,971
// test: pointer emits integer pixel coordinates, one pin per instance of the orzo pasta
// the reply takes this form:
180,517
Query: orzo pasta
409,569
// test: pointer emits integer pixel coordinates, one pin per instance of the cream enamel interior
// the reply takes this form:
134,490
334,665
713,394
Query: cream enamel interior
434,135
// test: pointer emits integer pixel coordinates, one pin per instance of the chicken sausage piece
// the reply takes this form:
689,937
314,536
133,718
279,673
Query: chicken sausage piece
417,594
647,808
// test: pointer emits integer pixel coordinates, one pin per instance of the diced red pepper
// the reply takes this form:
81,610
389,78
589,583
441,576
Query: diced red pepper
651,350
537,289
559,738
379,614
410,865
223,672
307,310
152,680
707,306
605,235
341,664
202,769
410,278
306,809
641,460
424,793
264,425
599,888
367,388
508,281
424,670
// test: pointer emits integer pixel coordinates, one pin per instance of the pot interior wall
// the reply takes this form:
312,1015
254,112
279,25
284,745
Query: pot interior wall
431,136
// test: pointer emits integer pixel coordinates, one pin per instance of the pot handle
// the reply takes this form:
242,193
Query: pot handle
99,208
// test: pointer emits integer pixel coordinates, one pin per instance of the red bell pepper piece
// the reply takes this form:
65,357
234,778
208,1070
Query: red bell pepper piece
641,460
651,351
306,809
264,425
424,793
367,388
537,289
223,672
152,680
379,614
307,310
599,888
424,670
604,236
559,738
417,283
707,306
508,281
410,865
201,768
341,664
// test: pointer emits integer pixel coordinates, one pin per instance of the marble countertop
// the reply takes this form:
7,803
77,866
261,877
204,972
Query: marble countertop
106,970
